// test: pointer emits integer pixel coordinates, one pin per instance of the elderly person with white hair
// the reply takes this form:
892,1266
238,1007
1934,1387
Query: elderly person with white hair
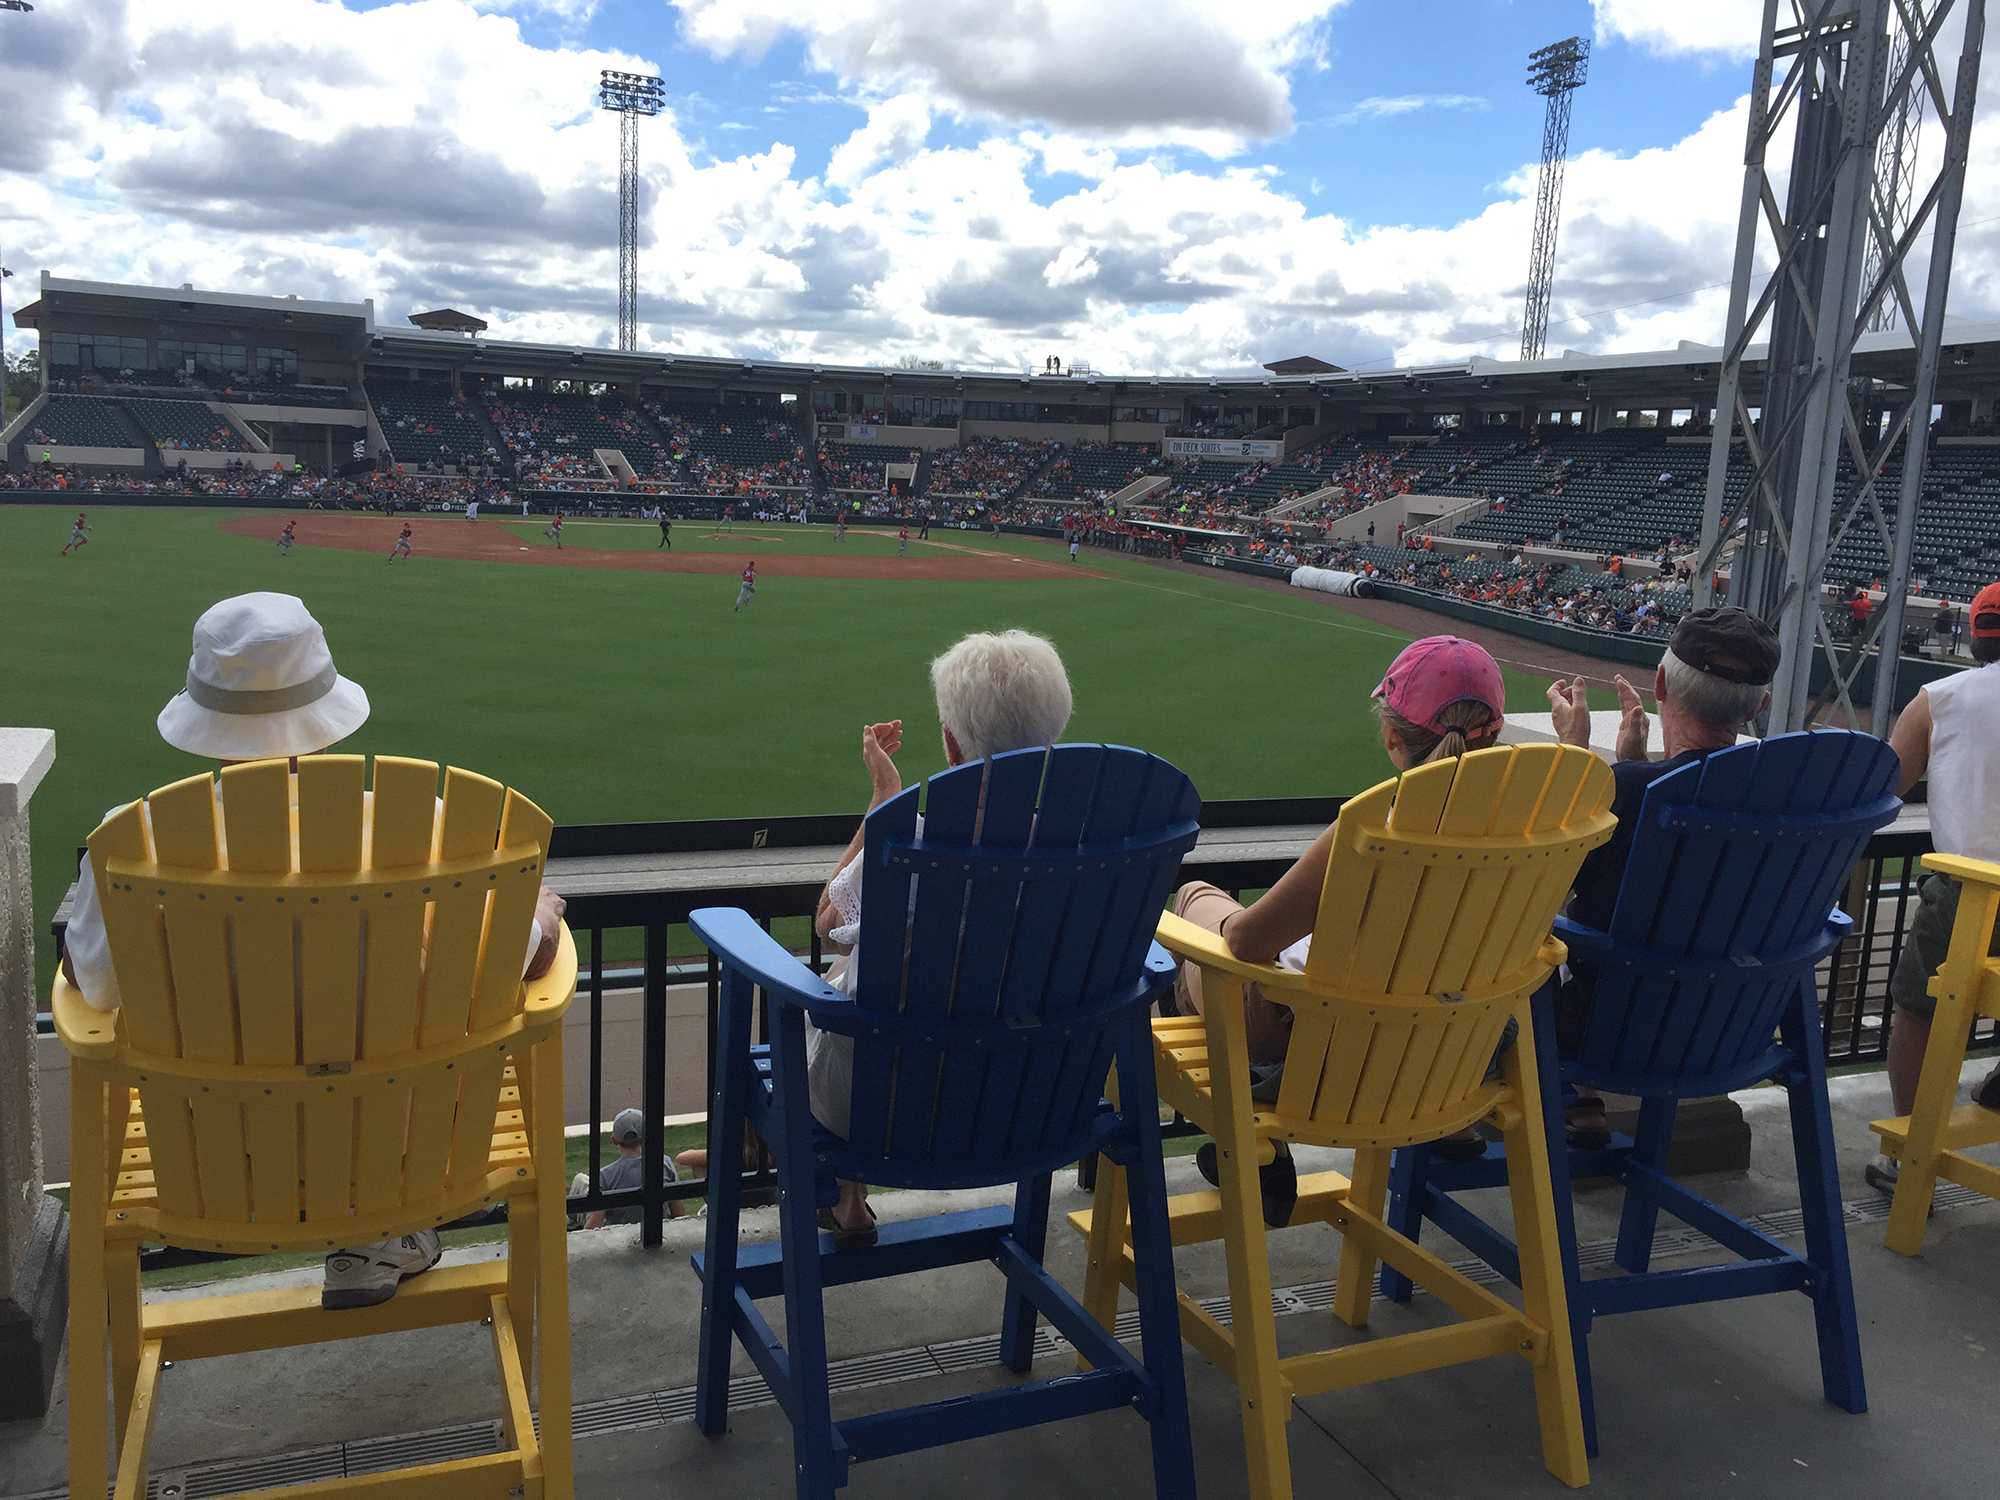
995,693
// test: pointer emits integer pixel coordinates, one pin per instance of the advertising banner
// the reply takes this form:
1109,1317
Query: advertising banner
1242,448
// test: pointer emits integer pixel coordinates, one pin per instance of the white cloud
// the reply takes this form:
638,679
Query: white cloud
426,154
1704,28
895,130
1384,107
1132,71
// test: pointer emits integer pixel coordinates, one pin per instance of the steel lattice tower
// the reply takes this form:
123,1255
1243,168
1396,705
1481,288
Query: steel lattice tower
1851,82
1555,72
630,96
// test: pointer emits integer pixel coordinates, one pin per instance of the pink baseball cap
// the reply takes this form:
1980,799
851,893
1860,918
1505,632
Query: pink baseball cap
1432,674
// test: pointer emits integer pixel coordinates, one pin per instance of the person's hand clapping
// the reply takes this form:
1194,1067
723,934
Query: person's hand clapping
1634,729
1569,712
879,742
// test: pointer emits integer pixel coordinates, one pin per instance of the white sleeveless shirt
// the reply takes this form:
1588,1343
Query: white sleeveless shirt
1965,763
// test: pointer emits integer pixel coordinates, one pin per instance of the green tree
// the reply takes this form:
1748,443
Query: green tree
24,382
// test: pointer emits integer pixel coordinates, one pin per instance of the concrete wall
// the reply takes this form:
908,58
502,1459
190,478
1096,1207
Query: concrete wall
906,437
124,458
315,416
259,462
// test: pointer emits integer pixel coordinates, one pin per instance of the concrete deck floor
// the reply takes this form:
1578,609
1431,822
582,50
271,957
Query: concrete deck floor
1719,1399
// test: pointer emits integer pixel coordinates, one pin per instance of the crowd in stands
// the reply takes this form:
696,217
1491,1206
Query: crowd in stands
987,467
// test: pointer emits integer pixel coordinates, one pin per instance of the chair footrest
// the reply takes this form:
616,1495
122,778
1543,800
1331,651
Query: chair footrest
1967,1125
1195,1218
290,1316
953,1239
885,1434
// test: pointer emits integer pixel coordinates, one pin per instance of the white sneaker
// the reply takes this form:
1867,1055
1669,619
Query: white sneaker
369,1274
1881,1174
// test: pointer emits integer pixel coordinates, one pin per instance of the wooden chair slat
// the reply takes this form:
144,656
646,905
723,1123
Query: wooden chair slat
271,1134
330,972
1343,899
402,813
511,914
1346,1059
1442,1087
878,960
329,1154
433,1114
170,1144
479,1079
471,816
257,816
392,979
380,1140
1387,1048
1413,1073
457,929
137,933
1567,778
331,790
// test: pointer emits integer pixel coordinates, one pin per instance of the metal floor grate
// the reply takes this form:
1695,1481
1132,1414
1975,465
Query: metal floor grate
658,1408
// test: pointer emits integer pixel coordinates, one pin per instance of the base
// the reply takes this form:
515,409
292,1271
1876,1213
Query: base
33,1320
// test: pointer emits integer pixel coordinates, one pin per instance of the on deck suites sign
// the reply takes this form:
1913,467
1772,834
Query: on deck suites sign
1222,448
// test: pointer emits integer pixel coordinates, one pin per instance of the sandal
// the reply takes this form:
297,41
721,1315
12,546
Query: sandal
1467,1145
849,1239
1584,1126
1277,1182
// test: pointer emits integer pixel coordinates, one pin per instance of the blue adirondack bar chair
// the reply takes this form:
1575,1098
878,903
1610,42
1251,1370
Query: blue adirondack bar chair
1005,958
1705,983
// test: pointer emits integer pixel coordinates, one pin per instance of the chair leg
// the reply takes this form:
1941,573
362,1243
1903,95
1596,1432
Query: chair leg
88,1407
1030,1232
1354,1288
727,1109
1105,1248
1641,1216
1153,1267
121,1286
1532,1184
1832,1289
523,1268
816,1468
1260,1388
1937,1091
551,1291
1407,1172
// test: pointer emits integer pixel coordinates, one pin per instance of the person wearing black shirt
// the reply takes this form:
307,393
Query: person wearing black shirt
1714,678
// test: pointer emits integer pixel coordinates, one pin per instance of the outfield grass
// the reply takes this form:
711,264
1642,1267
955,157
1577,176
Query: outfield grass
613,695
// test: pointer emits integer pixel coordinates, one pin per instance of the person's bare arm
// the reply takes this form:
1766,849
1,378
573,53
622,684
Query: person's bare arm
549,908
1911,740
1283,914
879,744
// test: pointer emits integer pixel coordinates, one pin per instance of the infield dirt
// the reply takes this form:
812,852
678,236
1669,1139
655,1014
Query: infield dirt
490,540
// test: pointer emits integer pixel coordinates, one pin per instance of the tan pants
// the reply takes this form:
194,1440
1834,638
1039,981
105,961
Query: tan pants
1267,1025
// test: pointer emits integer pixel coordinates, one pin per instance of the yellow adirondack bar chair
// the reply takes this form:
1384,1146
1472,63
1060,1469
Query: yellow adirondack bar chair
324,1041
1433,930
1930,1140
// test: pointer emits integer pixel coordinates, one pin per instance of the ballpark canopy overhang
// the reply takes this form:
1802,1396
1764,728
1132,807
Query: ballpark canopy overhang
1679,379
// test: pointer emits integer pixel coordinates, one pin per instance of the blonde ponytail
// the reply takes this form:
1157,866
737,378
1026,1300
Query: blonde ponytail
1468,725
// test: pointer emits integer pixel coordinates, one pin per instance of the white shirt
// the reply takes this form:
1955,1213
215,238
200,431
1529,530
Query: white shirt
89,945
1965,763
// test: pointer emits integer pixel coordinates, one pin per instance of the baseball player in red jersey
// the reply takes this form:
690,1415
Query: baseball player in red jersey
76,533
402,548
749,590
903,541
285,539
554,533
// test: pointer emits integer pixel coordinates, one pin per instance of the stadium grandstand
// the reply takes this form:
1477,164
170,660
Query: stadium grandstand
1585,458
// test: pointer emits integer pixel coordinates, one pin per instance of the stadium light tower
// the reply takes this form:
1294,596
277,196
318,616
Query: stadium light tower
1847,89
1555,72
630,96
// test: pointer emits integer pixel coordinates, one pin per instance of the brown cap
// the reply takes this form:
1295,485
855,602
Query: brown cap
1729,643
1985,613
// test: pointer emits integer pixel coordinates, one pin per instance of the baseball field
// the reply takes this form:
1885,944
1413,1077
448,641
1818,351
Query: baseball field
613,680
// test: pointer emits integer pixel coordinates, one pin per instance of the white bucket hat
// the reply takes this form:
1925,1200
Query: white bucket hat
261,683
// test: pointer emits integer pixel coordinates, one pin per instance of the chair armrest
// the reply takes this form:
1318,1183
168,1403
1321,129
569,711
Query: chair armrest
84,1032
1958,867
1582,940
735,938
1178,935
549,997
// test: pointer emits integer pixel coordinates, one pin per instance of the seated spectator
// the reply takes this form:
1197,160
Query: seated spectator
1440,698
995,693
1714,678
247,651
628,1131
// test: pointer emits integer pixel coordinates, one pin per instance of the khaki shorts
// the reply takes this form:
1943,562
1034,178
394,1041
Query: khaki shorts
1925,946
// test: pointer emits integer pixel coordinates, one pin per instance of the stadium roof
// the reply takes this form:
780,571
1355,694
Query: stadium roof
1684,376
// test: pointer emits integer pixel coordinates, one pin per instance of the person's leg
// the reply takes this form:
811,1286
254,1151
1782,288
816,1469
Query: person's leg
1267,1027
1909,1035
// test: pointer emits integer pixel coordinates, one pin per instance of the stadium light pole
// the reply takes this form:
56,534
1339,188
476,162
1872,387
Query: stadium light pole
1555,72
632,97
1847,91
